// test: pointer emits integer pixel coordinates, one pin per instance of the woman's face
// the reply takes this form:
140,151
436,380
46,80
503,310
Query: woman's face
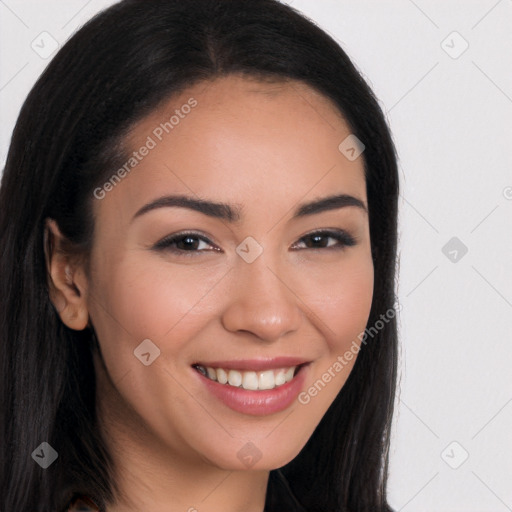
250,286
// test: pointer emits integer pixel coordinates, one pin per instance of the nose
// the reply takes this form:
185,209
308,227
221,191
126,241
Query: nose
261,302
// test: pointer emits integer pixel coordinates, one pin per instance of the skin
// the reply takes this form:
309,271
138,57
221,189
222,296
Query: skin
267,147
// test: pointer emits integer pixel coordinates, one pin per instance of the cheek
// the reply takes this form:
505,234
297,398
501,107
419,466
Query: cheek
341,302
349,308
341,297
150,299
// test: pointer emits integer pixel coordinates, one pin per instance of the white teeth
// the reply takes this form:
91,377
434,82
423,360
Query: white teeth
250,380
222,376
234,378
267,380
280,377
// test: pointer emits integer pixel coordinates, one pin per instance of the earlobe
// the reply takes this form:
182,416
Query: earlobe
66,292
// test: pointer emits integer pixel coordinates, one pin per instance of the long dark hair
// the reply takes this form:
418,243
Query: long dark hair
68,139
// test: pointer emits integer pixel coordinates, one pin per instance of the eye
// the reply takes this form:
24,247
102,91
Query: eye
187,242
191,243
324,240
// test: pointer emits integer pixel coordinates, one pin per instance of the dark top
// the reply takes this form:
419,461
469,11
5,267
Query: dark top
83,504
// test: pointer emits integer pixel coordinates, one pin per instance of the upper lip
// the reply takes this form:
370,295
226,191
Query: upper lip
255,364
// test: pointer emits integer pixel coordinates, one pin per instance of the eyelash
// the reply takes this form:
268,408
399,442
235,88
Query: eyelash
343,238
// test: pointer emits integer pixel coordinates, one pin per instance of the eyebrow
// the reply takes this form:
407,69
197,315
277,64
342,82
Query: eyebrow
233,213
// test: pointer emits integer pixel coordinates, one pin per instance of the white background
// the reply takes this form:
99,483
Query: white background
450,119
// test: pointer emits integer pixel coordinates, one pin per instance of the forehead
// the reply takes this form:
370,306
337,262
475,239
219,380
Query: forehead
239,139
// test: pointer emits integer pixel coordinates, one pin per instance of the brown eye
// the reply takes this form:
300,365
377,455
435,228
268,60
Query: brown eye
323,240
181,243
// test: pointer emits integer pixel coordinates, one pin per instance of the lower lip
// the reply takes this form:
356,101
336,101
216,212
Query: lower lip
257,403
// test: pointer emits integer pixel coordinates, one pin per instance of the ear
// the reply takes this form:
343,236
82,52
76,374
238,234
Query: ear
67,283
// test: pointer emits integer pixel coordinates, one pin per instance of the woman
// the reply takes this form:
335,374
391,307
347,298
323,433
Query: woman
198,230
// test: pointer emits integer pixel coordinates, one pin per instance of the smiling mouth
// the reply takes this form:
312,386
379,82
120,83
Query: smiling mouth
250,380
